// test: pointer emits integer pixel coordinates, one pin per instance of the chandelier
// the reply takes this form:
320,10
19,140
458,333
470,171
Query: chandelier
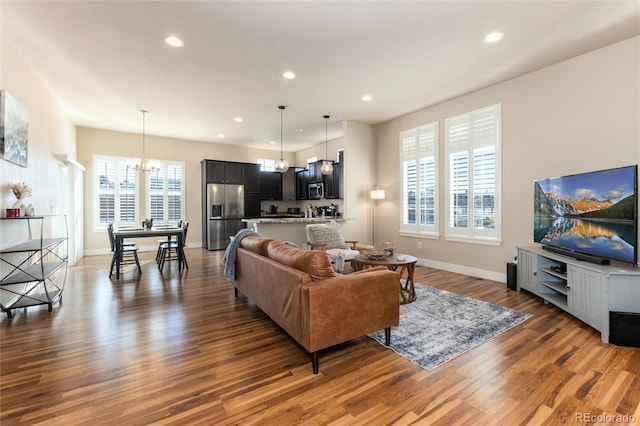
141,164
281,165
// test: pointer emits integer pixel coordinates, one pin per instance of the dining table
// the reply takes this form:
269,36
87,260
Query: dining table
122,233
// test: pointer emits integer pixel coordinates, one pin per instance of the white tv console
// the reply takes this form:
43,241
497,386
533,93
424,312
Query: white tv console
585,290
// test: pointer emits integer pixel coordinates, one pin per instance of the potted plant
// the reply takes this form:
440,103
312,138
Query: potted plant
147,223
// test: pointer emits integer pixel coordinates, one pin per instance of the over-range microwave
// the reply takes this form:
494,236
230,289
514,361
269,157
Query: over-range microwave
316,191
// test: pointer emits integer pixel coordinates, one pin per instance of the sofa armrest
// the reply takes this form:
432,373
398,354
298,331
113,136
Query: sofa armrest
351,306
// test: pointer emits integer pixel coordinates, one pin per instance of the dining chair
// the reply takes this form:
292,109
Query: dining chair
328,237
171,250
165,241
128,252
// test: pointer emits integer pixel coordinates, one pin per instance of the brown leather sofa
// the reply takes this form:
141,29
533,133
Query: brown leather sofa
319,308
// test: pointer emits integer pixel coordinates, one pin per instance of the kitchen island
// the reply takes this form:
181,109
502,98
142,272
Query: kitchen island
289,228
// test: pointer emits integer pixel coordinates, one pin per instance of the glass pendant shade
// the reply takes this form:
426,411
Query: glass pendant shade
281,165
327,166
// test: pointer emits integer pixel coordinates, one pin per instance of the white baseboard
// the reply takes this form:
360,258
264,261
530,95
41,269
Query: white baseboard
465,270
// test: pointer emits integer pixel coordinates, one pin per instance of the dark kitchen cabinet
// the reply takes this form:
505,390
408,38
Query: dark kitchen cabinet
224,172
333,183
251,178
315,172
271,186
302,184
252,205
289,185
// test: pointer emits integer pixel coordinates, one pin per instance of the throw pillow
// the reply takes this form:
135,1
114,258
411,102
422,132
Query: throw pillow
328,235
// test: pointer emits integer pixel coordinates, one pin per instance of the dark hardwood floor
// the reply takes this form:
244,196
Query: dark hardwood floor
175,349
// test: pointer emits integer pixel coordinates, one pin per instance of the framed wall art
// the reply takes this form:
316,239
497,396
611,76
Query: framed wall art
14,130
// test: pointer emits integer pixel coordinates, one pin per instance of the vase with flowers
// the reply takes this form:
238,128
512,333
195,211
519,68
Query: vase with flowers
21,191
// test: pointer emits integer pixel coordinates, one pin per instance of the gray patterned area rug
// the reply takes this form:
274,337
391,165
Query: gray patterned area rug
440,326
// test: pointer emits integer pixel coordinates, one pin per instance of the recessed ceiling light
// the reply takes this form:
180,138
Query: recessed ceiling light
493,37
300,130
367,98
272,142
238,119
174,41
221,136
288,75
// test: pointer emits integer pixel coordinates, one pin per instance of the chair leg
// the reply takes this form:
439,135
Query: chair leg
113,263
135,255
387,336
184,261
315,362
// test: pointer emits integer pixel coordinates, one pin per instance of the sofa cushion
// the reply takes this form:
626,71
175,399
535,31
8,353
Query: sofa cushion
256,244
313,262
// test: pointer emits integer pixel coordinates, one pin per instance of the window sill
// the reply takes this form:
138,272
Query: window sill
427,235
474,240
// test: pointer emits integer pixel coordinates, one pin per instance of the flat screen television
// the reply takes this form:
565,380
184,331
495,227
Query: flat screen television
589,216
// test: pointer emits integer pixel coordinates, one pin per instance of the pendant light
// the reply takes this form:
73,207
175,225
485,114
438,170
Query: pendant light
327,166
141,164
281,165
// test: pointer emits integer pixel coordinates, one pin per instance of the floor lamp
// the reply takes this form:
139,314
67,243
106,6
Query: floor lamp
376,194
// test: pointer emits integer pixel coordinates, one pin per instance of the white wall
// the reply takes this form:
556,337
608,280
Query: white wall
50,133
105,142
576,116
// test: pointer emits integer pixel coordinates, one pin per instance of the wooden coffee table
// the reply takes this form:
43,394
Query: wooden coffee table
407,290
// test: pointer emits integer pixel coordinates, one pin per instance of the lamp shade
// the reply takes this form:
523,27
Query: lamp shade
377,194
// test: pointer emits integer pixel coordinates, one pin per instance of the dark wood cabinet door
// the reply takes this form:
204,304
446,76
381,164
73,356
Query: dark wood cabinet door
215,172
271,186
302,185
222,172
251,178
252,205
233,173
289,184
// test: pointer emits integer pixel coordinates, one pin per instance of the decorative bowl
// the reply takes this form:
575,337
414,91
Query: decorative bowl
375,254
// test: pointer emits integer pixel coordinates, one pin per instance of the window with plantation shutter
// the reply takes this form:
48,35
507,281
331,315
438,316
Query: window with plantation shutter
472,142
116,189
118,192
166,192
419,168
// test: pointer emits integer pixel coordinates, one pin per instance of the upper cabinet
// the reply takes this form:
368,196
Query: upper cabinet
333,183
251,178
289,186
224,172
271,186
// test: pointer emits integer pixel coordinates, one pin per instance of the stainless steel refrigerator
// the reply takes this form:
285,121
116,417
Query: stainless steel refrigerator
225,209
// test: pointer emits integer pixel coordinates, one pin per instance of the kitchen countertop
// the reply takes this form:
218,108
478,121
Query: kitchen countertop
319,219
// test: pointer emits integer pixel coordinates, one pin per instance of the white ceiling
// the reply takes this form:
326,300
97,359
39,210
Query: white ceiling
106,60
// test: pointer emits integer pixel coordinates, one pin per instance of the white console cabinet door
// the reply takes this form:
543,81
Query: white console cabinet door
585,296
527,270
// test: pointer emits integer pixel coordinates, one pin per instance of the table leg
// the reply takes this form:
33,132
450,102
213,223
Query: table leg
180,252
408,291
118,242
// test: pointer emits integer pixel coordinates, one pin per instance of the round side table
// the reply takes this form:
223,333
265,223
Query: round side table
407,290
